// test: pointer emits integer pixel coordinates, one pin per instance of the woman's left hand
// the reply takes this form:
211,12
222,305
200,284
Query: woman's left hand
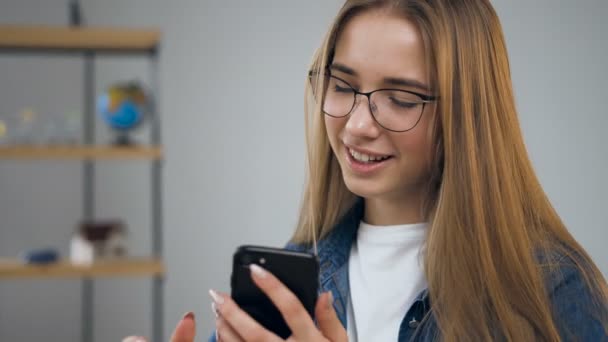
234,324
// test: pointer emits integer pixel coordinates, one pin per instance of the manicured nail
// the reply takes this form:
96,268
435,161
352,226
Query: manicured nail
330,300
214,309
258,271
217,299
189,315
134,339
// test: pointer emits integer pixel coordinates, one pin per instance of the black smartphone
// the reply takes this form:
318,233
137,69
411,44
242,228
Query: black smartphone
298,271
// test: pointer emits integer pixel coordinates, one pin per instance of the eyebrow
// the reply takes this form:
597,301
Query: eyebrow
395,81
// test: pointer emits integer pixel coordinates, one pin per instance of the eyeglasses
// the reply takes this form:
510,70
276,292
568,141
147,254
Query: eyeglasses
395,110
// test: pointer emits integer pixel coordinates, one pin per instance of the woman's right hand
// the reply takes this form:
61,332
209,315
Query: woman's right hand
185,331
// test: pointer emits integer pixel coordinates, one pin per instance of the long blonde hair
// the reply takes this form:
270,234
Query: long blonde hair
489,218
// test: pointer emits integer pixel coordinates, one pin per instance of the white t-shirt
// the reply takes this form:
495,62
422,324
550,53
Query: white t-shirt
386,274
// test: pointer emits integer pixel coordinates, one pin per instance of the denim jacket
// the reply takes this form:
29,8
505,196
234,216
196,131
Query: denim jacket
570,298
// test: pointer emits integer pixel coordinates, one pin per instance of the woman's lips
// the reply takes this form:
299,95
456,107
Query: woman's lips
363,163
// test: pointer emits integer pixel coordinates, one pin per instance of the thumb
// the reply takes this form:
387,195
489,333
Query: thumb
329,324
185,331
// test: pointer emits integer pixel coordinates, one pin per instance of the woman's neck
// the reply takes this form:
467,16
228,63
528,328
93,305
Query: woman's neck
389,212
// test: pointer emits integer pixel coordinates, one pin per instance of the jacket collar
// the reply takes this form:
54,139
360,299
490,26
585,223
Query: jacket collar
333,253
334,249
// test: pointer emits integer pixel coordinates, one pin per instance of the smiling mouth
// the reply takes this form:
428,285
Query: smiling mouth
367,158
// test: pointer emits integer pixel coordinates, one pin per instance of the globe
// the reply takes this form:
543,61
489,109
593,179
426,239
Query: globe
122,108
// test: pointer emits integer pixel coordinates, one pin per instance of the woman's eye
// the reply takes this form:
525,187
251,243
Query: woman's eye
339,89
403,104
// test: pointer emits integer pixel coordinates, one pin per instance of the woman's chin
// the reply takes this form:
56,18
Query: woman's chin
364,188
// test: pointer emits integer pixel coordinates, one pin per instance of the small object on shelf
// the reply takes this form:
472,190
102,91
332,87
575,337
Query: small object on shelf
26,127
58,129
95,240
21,126
72,123
122,107
41,256
3,132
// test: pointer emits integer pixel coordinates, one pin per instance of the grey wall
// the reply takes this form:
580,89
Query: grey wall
232,79
558,56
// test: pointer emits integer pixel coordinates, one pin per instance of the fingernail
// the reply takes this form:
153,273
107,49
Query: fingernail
330,300
189,315
134,339
216,298
258,271
214,309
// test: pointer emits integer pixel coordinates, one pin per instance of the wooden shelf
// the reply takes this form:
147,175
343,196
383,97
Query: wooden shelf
79,152
79,39
14,269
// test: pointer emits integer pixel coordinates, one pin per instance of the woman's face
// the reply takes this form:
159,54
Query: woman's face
375,51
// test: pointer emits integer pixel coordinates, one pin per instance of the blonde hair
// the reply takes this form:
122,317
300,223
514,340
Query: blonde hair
489,218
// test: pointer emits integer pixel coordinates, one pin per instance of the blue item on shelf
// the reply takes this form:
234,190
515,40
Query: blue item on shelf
125,116
41,256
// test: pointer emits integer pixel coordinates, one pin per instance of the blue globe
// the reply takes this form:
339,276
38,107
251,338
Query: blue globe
125,116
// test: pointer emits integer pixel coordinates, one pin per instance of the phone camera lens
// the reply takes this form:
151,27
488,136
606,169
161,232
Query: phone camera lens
262,261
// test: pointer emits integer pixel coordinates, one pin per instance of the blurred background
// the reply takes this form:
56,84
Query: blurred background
230,79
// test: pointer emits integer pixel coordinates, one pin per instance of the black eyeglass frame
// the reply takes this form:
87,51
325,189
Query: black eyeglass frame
424,99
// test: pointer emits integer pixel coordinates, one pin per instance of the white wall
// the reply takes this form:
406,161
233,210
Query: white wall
232,76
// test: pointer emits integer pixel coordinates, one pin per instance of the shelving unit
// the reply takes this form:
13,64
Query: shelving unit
80,152
15,269
78,39
91,43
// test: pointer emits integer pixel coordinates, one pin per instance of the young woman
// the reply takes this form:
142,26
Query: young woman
431,222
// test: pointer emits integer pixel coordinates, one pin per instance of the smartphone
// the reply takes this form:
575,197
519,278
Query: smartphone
298,271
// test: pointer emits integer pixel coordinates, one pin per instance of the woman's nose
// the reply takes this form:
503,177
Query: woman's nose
361,121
